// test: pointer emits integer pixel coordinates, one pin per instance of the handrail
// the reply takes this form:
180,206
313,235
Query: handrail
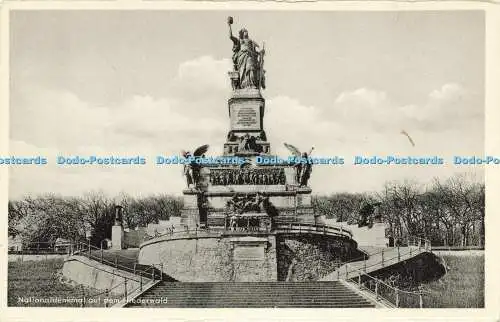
148,273
427,246
412,242
382,262
455,248
291,226
346,268
364,257
112,273
42,247
378,294
141,273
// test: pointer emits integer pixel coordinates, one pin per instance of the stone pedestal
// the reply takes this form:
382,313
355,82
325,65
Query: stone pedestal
117,237
246,112
254,258
246,124
218,184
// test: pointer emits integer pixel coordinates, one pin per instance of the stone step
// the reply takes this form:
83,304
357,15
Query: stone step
270,291
274,286
246,296
354,305
256,284
264,303
259,294
258,305
265,287
229,299
250,289
243,304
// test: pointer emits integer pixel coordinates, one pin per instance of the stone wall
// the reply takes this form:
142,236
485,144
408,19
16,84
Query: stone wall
212,259
312,256
87,272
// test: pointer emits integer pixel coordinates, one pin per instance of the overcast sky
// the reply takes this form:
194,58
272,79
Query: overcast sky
153,83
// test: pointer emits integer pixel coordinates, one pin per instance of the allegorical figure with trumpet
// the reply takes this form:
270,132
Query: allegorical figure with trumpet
248,59
303,166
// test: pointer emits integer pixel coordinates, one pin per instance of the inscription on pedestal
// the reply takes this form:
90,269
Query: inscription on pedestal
249,252
249,248
245,117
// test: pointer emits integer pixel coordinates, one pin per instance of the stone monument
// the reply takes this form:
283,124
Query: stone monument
240,214
249,195
117,233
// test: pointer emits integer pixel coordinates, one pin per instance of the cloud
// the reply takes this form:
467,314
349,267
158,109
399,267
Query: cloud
448,92
77,179
364,96
362,121
445,108
365,109
46,117
202,84
449,107
204,73
288,120
52,122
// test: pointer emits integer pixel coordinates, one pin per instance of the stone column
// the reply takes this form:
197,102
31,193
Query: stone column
117,233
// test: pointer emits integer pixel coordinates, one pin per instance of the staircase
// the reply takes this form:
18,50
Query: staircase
251,295
377,261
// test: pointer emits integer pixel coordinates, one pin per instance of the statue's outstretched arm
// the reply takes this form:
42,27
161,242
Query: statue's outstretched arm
233,38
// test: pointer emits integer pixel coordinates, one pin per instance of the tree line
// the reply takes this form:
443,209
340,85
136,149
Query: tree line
47,217
447,212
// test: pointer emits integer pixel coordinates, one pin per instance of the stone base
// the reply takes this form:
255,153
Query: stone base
254,258
117,237
218,186
217,259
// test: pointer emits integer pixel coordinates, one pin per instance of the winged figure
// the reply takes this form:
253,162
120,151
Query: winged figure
296,152
303,167
192,169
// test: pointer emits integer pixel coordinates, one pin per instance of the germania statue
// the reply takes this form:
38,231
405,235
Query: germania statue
248,59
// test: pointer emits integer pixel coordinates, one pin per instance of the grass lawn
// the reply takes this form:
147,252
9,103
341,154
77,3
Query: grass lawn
461,287
39,281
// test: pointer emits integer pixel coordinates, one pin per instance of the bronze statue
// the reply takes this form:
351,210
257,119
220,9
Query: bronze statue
231,137
248,60
244,203
118,215
303,166
192,169
366,212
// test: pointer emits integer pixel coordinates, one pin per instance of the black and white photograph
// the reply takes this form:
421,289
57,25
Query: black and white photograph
247,159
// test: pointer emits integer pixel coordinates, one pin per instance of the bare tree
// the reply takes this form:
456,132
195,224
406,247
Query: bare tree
459,197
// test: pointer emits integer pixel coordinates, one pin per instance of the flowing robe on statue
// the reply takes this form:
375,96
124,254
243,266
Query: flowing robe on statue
246,60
